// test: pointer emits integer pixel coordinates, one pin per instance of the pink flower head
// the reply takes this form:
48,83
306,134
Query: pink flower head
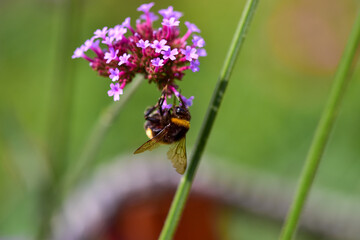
161,55
115,91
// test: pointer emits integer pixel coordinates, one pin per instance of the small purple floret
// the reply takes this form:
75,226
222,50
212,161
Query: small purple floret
194,65
187,101
159,46
157,62
117,32
145,7
96,44
78,53
172,22
114,74
112,31
101,33
166,106
88,44
170,54
124,59
192,27
201,52
143,44
169,12
198,41
190,53
111,55
126,23
115,91
108,41
152,16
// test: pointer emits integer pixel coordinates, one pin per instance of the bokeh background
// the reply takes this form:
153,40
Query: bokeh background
266,121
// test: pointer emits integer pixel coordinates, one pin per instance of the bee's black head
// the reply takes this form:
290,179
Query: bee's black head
182,113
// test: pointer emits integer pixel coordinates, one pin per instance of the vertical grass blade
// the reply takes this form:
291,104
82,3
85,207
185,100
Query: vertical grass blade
182,192
61,101
62,92
322,133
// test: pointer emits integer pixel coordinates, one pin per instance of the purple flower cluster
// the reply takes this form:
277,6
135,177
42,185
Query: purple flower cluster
161,55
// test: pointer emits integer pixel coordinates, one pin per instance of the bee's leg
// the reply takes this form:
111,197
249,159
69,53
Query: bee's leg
161,102
149,110
152,119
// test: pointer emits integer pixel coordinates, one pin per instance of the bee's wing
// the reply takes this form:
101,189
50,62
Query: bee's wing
177,155
154,142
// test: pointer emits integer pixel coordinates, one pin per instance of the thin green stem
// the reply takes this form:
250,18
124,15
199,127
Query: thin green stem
97,135
182,192
322,134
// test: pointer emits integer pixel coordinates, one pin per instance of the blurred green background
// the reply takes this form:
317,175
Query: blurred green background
266,121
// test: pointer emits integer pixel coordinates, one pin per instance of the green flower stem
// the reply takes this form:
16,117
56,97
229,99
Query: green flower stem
97,135
182,192
322,134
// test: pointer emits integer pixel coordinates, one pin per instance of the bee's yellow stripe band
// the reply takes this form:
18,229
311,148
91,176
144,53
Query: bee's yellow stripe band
149,133
181,122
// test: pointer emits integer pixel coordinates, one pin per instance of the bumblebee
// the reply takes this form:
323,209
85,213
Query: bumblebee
168,126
